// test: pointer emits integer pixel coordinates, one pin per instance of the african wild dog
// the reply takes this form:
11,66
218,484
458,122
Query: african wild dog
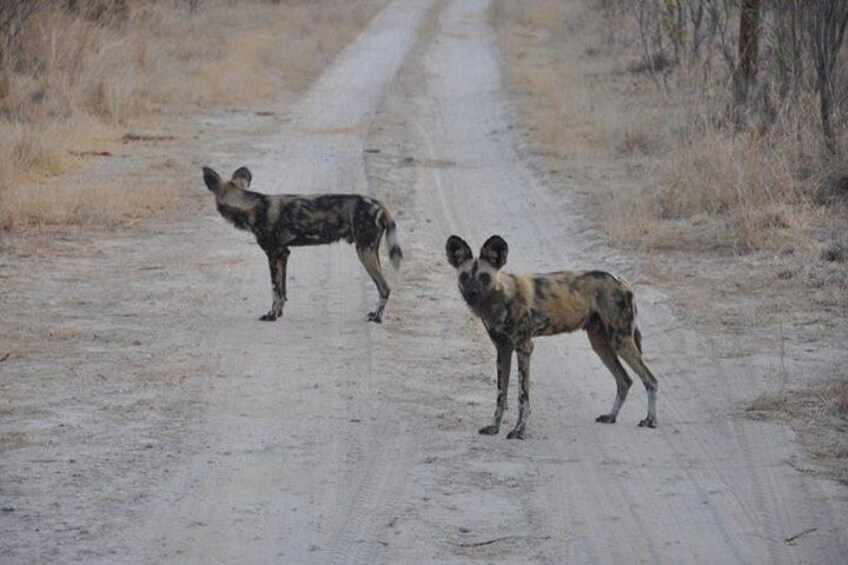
280,221
516,308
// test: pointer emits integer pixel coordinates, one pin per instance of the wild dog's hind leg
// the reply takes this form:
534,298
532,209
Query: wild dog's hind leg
629,351
371,261
277,261
600,341
504,366
523,351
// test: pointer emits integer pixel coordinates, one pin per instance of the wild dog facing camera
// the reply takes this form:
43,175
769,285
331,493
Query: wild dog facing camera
477,277
517,308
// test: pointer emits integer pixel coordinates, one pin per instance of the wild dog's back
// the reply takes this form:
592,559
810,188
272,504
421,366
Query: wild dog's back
325,218
315,219
565,301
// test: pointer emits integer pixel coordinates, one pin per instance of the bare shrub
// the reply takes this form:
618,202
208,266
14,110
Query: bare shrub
721,186
826,25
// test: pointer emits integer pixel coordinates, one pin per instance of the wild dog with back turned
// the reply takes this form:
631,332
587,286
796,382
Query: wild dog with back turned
281,221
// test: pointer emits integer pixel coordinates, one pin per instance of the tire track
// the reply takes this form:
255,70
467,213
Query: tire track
286,474
711,499
329,440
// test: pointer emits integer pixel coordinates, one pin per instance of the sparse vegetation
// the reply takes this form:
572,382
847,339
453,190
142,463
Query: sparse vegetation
733,134
706,152
769,406
820,415
75,75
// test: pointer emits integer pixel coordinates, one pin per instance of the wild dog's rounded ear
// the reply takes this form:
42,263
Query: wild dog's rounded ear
243,173
494,251
211,178
457,251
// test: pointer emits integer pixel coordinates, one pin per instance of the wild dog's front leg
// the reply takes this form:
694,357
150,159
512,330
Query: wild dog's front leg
277,262
524,350
504,366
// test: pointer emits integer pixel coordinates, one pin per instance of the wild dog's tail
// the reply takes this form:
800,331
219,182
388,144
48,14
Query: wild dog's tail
637,335
388,223
632,312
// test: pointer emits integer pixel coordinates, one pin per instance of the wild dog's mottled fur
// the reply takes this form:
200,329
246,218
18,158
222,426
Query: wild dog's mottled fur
516,308
280,221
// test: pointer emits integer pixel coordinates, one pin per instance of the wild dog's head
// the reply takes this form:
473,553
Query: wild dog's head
477,277
235,203
241,180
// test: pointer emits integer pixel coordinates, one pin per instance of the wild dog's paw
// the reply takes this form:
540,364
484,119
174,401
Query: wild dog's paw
375,317
648,422
517,433
269,317
606,419
489,430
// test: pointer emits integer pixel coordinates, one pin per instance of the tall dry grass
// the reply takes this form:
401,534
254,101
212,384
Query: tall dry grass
744,217
79,79
713,185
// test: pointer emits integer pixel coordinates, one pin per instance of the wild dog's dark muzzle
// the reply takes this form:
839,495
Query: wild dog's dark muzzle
472,294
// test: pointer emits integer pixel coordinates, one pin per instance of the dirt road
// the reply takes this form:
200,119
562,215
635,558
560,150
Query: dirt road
186,431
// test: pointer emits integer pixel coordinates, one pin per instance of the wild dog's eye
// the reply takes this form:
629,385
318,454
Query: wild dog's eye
485,278
463,277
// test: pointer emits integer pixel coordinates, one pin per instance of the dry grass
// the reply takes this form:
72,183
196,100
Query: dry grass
80,83
820,416
770,406
746,225
719,188
564,121
90,204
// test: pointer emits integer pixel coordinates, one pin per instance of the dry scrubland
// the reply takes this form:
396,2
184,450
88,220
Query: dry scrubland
741,210
766,184
742,213
79,79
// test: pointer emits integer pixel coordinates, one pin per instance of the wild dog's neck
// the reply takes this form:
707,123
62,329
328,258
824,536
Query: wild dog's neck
493,308
237,205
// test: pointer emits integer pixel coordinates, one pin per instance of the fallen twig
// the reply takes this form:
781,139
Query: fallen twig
496,540
790,539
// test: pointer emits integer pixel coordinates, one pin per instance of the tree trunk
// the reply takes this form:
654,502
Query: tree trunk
826,100
749,51
826,27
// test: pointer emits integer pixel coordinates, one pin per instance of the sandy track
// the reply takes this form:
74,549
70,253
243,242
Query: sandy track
322,438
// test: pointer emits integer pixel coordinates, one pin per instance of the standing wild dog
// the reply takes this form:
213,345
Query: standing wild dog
280,221
517,308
